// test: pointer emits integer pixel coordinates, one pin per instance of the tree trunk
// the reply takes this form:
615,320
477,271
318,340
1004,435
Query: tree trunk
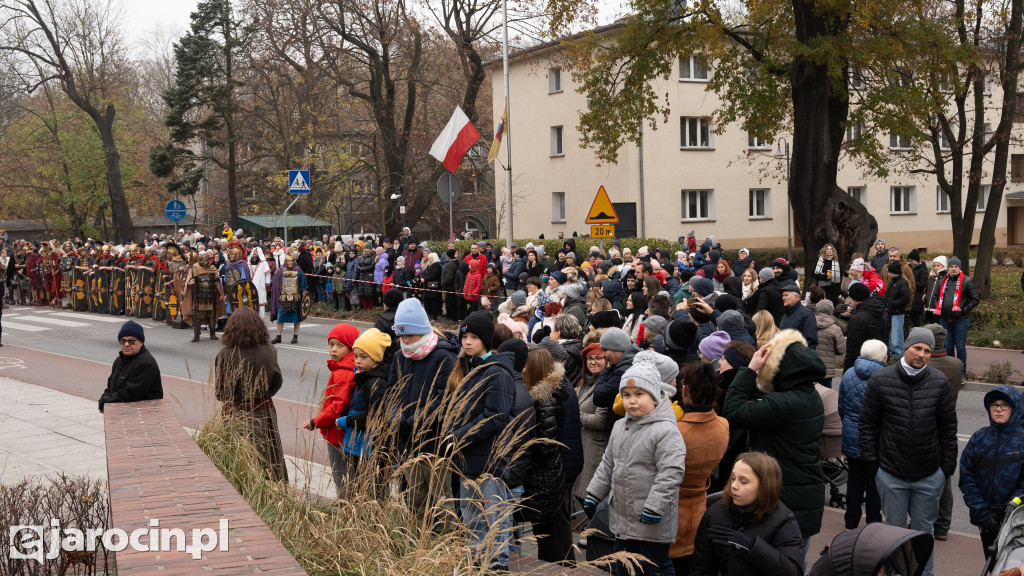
123,227
822,212
1010,73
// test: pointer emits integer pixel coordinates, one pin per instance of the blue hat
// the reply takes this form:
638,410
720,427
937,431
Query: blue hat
131,329
410,318
559,277
702,286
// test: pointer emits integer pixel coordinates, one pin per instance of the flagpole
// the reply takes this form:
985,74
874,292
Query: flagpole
508,137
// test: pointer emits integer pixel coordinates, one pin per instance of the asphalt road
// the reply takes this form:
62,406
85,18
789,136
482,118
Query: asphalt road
93,337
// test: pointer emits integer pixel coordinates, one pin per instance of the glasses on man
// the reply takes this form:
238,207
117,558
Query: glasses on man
999,406
128,341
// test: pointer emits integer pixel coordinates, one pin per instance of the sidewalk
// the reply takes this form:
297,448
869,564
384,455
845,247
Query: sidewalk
44,432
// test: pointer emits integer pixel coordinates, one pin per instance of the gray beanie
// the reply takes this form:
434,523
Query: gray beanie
765,274
939,333
655,324
730,319
615,339
643,374
919,336
519,298
954,261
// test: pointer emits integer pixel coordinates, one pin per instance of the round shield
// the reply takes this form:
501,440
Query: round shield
244,295
307,303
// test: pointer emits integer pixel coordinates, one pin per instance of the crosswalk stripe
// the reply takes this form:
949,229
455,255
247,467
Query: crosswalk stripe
25,327
59,322
87,316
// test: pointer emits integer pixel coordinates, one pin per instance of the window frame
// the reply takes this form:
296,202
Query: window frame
863,191
558,140
983,193
895,142
1016,172
560,198
766,204
757,142
703,125
910,207
941,195
709,207
691,60
555,80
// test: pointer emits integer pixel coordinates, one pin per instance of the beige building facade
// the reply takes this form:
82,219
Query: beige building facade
728,185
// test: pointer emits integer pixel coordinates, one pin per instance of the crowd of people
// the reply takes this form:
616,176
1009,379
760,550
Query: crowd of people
654,379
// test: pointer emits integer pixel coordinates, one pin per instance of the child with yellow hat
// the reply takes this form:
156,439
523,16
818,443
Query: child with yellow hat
371,383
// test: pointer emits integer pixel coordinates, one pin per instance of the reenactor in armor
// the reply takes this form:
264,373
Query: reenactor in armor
287,295
51,274
69,260
204,297
35,268
236,271
20,280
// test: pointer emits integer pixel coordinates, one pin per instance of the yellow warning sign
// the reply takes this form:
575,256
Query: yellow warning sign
602,211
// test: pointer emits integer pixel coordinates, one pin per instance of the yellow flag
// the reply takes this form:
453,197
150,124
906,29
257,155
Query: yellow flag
496,145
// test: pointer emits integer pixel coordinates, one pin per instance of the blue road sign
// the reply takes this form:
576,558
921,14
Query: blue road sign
298,181
176,210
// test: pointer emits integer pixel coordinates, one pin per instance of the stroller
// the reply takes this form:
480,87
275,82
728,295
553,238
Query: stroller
869,550
1009,544
830,449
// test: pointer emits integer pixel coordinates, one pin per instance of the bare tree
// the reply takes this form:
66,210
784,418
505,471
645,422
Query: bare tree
78,43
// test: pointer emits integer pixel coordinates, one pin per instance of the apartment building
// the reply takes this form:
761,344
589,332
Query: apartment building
731,185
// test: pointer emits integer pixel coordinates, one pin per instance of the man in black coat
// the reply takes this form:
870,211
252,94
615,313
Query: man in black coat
135,375
920,282
866,323
907,434
955,295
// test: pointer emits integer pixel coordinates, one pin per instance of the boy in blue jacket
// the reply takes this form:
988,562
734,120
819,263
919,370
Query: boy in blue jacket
992,464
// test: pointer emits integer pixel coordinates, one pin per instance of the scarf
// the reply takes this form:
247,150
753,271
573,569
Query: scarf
749,289
723,275
421,348
910,370
957,292
819,268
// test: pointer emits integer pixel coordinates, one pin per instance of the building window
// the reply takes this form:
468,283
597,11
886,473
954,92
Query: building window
986,133
900,142
901,200
983,193
901,76
556,141
859,193
758,142
943,141
760,203
554,80
698,204
695,132
941,200
854,131
856,79
558,206
1018,114
1017,167
693,67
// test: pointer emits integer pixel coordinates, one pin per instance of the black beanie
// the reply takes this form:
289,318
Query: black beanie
681,334
727,302
859,292
480,323
520,351
895,268
392,298
606,319
131,329
914,255
451,253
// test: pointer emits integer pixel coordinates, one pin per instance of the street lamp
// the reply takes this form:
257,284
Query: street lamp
789,228
401,207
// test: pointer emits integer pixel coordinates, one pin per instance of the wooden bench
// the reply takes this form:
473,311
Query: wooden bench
156,471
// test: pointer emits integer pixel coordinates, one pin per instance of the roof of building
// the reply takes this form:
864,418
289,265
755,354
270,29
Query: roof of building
277,221
1019,195
21,225
520,52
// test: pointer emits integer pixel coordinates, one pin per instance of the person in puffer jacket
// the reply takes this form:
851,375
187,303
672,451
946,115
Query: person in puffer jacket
992,464
851,394
548,506
908,434
642,468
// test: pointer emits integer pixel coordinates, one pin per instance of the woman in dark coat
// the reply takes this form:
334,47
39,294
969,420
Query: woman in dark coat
533,265
774,399
432,282
750,531
247,378
367,289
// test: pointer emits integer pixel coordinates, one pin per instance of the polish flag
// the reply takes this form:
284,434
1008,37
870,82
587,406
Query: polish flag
456,139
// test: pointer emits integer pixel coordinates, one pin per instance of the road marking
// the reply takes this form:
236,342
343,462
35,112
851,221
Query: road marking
59,322
25,327
98,317
6,362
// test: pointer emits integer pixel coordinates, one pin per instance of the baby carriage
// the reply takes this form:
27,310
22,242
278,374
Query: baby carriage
876,549
830,448
1009,544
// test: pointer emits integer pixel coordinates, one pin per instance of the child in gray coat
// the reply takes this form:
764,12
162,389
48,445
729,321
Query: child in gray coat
642,468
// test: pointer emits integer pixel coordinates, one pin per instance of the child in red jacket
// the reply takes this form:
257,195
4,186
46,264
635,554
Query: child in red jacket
337,399
471,290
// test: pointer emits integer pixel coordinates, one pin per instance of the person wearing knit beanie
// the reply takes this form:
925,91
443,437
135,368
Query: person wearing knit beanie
654,326
135,374
520,352
766,274
914,255
131,329
858,292
480,324
954,261
713,346
645,376
701,287
920,335
374,343
345,334
680,335
411,319
558,277
519,298
615,340
894,268
606,319
392,298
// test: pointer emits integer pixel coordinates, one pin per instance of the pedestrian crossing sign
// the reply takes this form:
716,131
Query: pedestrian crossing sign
298,181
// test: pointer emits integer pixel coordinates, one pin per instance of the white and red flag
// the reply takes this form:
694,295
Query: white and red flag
455,140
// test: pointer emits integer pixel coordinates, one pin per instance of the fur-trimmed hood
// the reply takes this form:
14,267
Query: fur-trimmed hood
542,391
790,364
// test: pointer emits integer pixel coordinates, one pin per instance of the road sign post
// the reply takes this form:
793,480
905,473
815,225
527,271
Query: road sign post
449,189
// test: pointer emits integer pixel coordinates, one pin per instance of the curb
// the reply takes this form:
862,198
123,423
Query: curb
985,386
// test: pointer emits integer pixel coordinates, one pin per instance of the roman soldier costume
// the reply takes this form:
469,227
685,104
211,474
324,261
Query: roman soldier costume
287,293
235,271
203,298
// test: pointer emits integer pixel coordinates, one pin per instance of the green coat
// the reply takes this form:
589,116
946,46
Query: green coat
784,415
